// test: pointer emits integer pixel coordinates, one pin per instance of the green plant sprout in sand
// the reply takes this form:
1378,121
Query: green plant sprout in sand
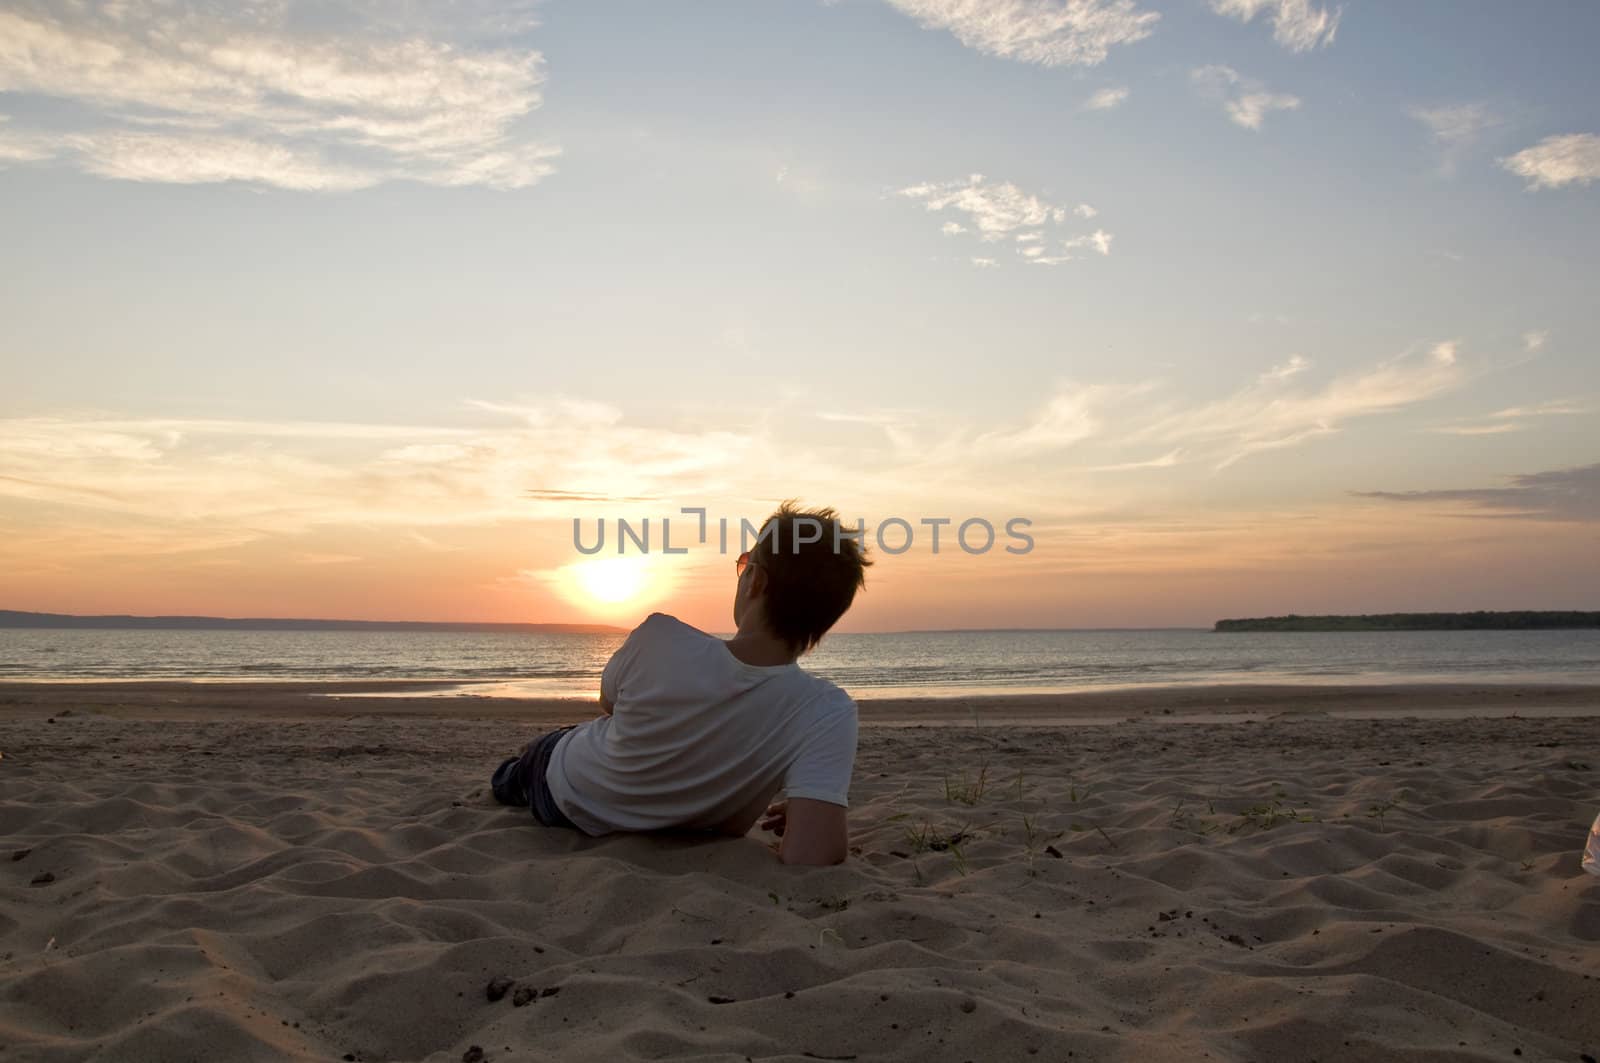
968,791
1263,815
1380,809
1269,814
925,839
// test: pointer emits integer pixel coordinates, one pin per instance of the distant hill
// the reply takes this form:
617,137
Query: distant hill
1479,621
12,619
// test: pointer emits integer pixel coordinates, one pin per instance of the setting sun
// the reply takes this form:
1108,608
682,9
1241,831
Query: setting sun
610,581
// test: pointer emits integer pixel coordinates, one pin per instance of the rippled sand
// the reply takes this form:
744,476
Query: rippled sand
1301,888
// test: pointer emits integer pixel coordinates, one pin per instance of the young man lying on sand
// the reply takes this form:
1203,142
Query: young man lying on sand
701,733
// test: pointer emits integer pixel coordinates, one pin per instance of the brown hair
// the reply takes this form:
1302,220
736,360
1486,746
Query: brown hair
809,584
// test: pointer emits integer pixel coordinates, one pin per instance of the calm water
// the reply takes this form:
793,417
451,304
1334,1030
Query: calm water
925,663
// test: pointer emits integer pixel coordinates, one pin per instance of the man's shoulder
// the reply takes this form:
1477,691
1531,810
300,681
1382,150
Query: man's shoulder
824,697
665,625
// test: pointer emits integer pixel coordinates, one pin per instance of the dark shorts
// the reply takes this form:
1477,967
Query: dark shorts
520,781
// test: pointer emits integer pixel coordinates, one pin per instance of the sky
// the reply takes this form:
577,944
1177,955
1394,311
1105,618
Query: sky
353,309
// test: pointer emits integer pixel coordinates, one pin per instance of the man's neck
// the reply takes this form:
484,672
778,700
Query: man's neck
760,648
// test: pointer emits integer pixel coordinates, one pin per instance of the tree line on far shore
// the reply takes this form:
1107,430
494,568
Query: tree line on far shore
1523,620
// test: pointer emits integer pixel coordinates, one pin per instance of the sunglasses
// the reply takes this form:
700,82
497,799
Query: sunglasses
744,562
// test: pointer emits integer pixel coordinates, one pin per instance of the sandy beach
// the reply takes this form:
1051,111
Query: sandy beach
262,872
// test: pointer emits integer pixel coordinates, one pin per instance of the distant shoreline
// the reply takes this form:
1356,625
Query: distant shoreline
69,622
1525,620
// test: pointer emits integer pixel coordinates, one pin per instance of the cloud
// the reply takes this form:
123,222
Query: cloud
1270,414
146,486
1106,99
551,495
1293,367
1245,100
1165,461
1455,129
20,147
1296,25
1067,418
188,159
255,478
1455,126
1477,429
985,263
1516,418
287,94
1556,495
1557,161
1046,32
1118,426
996,209
1001,210
1100,240
1553,408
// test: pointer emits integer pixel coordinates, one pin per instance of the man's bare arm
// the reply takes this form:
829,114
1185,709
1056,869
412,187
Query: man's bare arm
812,832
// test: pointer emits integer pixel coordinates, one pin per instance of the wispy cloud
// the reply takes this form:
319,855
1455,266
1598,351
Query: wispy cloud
1067,418
1491,429
996,208
1245,100
1558,161
1121,424
1270,414
1293,367
262,477
220,481
1099,240
1557,495
1516,418
999,210
1554,408
1456,126
552,495
1165,461
1454,129
1046,32
1105,99
20,147
274,94
1296,24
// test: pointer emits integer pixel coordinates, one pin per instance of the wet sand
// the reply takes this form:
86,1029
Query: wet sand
164,699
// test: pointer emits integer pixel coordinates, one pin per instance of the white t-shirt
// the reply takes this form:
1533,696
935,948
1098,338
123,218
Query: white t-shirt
696,735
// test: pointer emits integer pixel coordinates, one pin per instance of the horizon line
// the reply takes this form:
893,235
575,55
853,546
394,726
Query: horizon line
605,627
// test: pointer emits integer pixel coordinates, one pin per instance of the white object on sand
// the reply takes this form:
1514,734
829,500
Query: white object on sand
1591,852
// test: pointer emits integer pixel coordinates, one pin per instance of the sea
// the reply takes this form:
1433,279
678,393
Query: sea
899,664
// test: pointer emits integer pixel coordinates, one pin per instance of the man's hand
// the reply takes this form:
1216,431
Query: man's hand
605,706
776,817
812,832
